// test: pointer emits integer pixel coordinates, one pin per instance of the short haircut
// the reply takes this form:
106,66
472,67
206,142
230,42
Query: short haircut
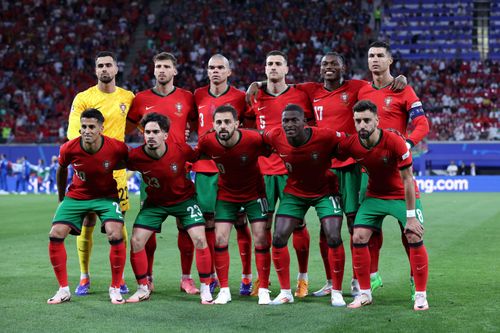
294,107
365,105
103,54
335,54
384,45
277,53
165,56
160,119
226,108
94,114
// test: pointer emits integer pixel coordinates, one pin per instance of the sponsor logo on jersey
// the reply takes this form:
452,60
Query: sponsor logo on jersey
178,109
387,101
174,168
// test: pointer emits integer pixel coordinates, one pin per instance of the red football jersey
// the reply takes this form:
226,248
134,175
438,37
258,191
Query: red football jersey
240,179
382,163
308,165
206,104
333,109
267,113
165,177
393,107
93,178
178,106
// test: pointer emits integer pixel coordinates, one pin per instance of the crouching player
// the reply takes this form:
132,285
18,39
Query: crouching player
235,153
169,192
307,154
391,191
93,157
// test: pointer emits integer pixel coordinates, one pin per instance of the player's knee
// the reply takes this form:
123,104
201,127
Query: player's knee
57,233
137,243
413,238
334,240
359,238
279,240
221,240
199,241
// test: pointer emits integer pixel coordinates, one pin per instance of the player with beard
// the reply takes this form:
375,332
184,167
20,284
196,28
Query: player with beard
391,191
266,111
114,103
178,105
170,192
236,152
307,154
395,110
208,98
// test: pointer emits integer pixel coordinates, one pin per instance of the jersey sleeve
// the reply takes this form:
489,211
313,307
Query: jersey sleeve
63,156
134,114
190,153
402,152
417,116
77,108
308,87
342,151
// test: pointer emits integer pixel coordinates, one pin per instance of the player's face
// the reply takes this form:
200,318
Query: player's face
105,69
331,68
218,70
293,123
154,136
366,123
164,71
225,125
379,60
90,130
276,68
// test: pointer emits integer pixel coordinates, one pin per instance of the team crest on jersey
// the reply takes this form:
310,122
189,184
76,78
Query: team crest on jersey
174,168
344,97
123,107
106,164
387,101
178,109
315,155
385,160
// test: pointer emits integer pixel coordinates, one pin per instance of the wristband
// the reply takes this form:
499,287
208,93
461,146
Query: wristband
411,213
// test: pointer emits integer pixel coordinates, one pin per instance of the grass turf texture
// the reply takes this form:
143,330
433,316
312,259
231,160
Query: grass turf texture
462,237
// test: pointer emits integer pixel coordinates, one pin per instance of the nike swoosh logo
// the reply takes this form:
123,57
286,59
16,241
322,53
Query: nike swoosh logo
214,157
260,108
421,267
149,107
335,272
201,107
283,155
146,172
317,100
359,159
337,211
77,164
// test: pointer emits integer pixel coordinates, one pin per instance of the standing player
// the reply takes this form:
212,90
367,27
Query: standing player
391,191
266,111
178,105
169,192
235,152
395,110
94,157
114,103
307,154
208,99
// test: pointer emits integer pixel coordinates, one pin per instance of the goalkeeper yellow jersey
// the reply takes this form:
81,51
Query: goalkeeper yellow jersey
113,106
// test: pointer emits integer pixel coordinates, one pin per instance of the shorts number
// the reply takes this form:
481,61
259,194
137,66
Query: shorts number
117,208
194,211
221,168
123,193
318,110
262,121
264,207
335,202
420,215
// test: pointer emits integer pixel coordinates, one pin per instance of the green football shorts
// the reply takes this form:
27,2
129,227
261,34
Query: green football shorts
297,207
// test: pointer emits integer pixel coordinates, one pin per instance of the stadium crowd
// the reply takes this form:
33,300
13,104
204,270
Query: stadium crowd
37,84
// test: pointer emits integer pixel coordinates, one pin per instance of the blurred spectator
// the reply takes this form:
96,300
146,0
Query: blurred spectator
4,170
472,169
452,169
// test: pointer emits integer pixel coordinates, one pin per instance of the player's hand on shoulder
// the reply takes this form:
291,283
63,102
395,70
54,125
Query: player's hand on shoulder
251,93
399,83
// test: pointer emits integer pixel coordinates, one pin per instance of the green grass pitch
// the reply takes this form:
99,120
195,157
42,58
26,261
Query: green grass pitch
462,238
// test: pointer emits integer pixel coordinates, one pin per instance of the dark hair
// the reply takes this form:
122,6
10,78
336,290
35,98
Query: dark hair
93,113
365,105
294,107
277,53
336,54
162,121
384,45
103,54
165,56
226,108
